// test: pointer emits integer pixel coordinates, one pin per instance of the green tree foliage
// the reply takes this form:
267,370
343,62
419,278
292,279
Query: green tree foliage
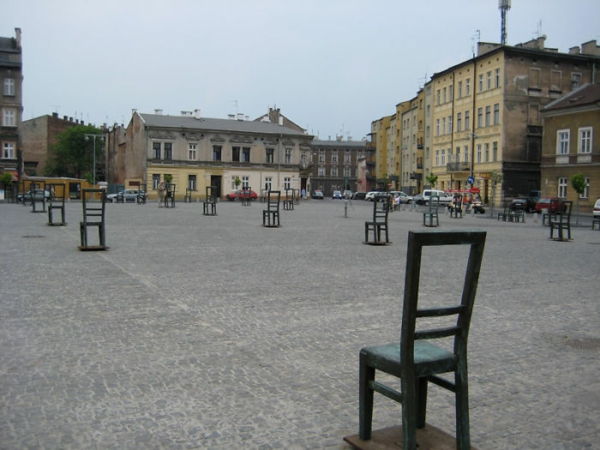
578,183
72,155
431,179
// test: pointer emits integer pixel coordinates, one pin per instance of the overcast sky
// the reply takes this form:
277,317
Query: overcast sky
332,66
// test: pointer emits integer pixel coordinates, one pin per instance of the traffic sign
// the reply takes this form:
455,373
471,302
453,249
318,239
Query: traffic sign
471,179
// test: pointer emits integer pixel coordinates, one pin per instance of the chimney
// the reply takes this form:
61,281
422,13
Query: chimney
158,112
280,119
55,114
574,50
18,37
240,116
590,48
196,113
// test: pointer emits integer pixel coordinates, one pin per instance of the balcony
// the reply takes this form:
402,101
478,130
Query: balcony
462,166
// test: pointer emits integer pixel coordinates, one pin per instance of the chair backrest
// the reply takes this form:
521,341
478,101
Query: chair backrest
411,311
171,190
93,211
273,198
381,207
210,193
58,192
565,207
458,201
434,203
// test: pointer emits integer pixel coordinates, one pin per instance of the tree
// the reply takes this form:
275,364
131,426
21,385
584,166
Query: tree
237,182
578,183
72,155
431,179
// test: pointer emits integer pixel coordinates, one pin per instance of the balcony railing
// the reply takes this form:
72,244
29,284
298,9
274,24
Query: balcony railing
462,166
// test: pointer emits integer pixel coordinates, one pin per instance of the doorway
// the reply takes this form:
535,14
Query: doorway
215,180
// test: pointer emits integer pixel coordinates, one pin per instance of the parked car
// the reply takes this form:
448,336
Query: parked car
318,195
128,195
38,194
403,197
347,193
521,203
337,195
359,195
423,197
239,193
596,211
370,196
552,204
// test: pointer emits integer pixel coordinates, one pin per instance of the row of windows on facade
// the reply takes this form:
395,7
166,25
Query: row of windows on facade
482,155
490,81
8,87
334,172
444,125
563,184
164,150
584,140
334,157
192,182
9,117
8,150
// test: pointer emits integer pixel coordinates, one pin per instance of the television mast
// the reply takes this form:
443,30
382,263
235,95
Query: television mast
504,6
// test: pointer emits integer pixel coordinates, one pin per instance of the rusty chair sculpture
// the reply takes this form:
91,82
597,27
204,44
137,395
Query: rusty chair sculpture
379,222
56,203
271,214
93,216
415,359
209,205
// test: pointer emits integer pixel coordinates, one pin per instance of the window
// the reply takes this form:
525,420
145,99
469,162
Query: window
156,149
488,112
467,120
9,117
496,114
478,153
459,89
9,87
233,186
479,117
575,80
497,84
585,140
486,152
437,157
437,127
288,156
489,80
451,92
439,97
155,180
443,125
245,182
466,153
235,154
192,151
586,189
334,157
562,142
495,151
168,147
334,171
468,86
268,183
270,152
443,159
459,122
321,171
444,95
321,156
534,78
480,82
8,150
449,124
562,187
246,154
555,80
192,182
347,171
534,117
287,183
217,153
457,154
347,157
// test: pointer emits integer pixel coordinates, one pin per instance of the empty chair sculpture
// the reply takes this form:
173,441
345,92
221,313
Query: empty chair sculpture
56,203
245,195
288,202
141,195
170,195
38,197
271,214
415,359
456,207
93,216
431,217
209,205
379,223
561,221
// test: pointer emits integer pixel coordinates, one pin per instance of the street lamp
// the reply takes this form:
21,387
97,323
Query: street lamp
87,138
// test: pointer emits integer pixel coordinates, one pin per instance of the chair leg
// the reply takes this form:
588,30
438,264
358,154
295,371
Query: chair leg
365,400
421,401
463,440
409,413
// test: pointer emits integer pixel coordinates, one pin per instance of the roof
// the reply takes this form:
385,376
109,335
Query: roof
8,43
205,123
588,94
336,143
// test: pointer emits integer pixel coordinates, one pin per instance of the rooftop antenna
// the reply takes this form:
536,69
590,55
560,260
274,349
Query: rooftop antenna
503,6
538,32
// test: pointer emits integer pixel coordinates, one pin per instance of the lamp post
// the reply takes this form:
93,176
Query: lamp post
87,138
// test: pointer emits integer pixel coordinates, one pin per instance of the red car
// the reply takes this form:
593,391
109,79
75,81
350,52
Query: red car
240,193
552,204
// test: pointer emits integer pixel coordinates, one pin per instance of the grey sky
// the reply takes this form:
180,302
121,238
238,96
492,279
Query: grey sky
332,66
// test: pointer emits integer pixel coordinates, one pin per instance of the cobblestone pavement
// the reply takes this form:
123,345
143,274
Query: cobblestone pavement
214,332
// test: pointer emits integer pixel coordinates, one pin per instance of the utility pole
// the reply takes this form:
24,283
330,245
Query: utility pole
89,136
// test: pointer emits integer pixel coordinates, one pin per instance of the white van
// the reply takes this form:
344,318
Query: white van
423,198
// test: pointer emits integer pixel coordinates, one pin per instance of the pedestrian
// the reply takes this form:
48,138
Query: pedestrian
161,194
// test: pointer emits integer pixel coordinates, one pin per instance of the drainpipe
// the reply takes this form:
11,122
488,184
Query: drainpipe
473,118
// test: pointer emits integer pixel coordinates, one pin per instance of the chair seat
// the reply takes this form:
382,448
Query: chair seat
429,358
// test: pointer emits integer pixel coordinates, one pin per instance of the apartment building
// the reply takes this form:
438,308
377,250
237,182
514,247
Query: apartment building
11,103
412,138
199,152
486,113
571,145
336,164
